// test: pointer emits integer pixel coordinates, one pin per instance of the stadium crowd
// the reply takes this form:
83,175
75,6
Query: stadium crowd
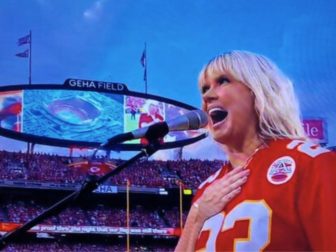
57,169
46,168
20,211
66,246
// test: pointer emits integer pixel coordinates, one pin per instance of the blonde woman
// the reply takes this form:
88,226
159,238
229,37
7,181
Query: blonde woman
277,192
151,114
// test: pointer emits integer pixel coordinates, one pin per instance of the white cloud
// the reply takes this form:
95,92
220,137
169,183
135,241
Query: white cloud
94,11
206,149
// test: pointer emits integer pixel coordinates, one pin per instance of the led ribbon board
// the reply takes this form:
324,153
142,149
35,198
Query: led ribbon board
85,113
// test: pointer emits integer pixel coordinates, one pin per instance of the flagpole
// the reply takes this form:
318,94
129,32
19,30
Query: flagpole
181,206
27,39
30,56
128,215
145,69
143,62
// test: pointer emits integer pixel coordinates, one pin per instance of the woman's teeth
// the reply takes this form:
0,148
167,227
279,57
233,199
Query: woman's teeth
217,115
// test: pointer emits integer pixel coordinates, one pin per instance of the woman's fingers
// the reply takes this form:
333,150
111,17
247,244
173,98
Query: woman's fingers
228,183
236,173
234,180
231,195
238,182
222,191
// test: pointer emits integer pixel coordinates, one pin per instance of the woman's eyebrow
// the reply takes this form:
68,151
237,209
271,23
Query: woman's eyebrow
222,76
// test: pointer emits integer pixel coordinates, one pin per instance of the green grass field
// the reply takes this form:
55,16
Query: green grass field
130,125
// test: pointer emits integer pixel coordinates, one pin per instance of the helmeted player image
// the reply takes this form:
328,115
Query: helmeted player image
277,190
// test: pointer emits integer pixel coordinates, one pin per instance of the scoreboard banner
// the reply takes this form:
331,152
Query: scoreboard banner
80,229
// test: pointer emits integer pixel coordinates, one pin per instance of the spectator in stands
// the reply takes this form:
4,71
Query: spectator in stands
277,182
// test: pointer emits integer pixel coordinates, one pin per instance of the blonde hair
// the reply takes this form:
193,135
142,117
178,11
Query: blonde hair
149,102
275,102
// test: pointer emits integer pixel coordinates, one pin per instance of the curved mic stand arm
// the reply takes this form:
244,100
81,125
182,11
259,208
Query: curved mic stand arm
90,184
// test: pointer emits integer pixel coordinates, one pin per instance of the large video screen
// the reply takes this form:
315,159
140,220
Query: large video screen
11,110
72,115
140,112
87,116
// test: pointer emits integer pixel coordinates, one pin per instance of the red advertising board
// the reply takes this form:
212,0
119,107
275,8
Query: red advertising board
315,129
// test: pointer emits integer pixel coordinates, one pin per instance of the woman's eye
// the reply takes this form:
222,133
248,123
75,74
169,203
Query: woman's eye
223,80
204,89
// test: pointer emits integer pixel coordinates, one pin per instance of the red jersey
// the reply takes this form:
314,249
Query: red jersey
287,204
148,119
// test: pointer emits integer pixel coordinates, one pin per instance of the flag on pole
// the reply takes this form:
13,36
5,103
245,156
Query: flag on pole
24,54
143,62
28,52
143,58
24,40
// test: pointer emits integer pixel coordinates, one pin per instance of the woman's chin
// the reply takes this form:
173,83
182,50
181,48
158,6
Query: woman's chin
219,137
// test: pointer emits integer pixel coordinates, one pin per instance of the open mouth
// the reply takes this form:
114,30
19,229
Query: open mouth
217,115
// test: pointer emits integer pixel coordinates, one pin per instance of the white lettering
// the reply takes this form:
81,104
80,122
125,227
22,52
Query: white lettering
72,83
314,131
82,83
110,86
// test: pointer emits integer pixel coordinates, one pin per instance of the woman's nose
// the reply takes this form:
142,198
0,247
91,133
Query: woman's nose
210,95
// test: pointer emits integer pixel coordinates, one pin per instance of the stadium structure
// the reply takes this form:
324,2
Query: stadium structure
142,207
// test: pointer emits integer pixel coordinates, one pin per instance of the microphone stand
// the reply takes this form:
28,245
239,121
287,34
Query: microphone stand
91,183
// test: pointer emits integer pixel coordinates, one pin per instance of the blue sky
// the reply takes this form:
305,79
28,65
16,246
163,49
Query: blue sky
104,39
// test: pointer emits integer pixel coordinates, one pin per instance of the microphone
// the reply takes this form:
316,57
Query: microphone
192,120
